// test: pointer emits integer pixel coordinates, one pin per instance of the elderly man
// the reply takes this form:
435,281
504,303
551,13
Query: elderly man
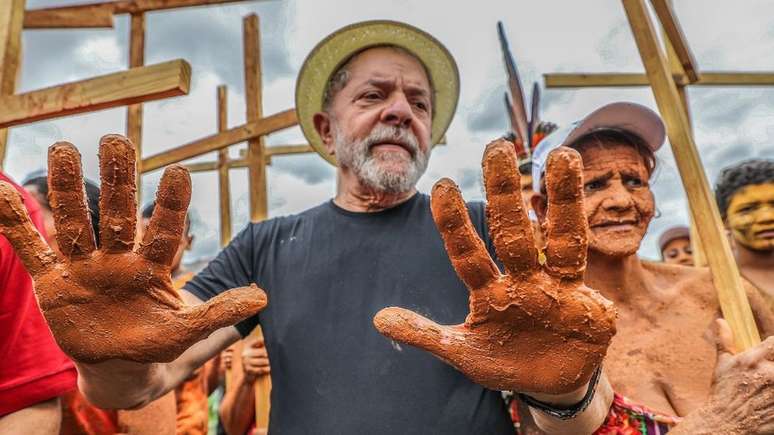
374,97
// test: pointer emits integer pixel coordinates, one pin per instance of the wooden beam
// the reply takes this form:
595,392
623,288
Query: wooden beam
676,38
263,126
11,16
134,111
583,80
284,150
259,203
731,294
147,83
100,15
224,183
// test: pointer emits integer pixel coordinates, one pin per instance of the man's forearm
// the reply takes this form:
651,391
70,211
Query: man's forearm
236,409
587,421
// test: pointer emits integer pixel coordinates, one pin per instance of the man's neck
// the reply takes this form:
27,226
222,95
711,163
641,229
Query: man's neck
620,279
352,195
748,259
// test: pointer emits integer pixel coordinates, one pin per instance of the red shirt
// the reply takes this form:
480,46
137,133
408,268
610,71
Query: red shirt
32,367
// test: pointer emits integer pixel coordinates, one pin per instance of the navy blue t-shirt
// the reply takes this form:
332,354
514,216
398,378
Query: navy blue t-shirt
327,271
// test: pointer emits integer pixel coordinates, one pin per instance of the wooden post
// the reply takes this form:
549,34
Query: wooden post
731,294
134,111
11,22
223,178
254,102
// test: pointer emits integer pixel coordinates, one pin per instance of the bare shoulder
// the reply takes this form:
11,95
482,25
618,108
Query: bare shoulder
687,281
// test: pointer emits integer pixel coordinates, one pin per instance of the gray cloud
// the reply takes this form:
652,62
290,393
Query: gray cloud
310,168
488,114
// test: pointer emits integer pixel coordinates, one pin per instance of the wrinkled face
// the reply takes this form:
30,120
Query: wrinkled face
380,121
618,202
678,251
750,216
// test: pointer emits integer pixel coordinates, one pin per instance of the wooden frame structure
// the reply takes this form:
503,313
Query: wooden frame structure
668,75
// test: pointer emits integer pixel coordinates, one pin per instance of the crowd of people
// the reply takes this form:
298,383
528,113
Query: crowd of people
565,329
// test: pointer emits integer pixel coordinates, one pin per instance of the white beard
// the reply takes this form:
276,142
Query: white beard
371,169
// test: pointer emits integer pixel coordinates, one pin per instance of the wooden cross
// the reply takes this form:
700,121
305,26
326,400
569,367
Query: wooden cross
100,15
257,157
668,75
118,89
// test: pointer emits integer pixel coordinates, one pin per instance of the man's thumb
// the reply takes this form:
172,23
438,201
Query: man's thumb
226,309
410,328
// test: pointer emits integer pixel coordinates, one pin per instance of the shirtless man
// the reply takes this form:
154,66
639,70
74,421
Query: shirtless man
745,196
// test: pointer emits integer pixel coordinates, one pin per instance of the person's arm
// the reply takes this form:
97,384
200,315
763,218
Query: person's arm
587,421
764,317
119,384
237,407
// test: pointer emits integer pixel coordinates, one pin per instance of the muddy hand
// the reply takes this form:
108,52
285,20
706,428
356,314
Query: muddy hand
116,301
536,328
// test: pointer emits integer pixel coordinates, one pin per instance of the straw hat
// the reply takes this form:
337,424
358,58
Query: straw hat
341,45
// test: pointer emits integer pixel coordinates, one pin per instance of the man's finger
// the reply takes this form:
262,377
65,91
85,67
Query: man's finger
67,196
117,207
466,251
724,340
226,309
408,327
16,226
165,230
506,213
567,228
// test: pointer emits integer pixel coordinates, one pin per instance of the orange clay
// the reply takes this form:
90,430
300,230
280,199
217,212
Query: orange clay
536,328
115,302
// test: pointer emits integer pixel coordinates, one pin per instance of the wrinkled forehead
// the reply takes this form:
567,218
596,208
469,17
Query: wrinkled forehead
604,156
387,62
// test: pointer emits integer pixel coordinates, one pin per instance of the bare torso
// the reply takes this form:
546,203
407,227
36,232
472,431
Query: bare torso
663,355
763,280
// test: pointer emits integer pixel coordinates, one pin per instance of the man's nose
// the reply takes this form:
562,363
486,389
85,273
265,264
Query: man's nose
398,111
766,215
618,197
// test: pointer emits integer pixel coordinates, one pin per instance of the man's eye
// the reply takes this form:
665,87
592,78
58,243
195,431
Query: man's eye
634,182
594,185
371,96
747,208
420,105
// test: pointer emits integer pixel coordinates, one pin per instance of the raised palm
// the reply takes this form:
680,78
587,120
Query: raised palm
537,328
115,302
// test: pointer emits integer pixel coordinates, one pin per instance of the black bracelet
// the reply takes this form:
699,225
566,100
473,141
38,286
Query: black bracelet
570,412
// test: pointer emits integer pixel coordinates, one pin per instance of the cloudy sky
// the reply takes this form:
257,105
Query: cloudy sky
731,124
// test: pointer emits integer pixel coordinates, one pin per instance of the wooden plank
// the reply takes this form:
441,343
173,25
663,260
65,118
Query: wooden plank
134,111
583,80
224,183
11,17
731,294
283,150
263,126
147,83
259,203
676,38
100,15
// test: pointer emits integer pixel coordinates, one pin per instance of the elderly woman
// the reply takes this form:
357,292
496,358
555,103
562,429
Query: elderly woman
662,359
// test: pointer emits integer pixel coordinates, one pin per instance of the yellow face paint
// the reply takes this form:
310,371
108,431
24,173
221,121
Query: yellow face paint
750,216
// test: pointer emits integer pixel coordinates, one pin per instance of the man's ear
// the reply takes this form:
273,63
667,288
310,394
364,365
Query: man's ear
539,204
322,123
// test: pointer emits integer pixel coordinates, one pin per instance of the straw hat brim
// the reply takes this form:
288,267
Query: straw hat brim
340,46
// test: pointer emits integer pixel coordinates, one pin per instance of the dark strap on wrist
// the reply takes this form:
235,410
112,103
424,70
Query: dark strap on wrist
569,412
